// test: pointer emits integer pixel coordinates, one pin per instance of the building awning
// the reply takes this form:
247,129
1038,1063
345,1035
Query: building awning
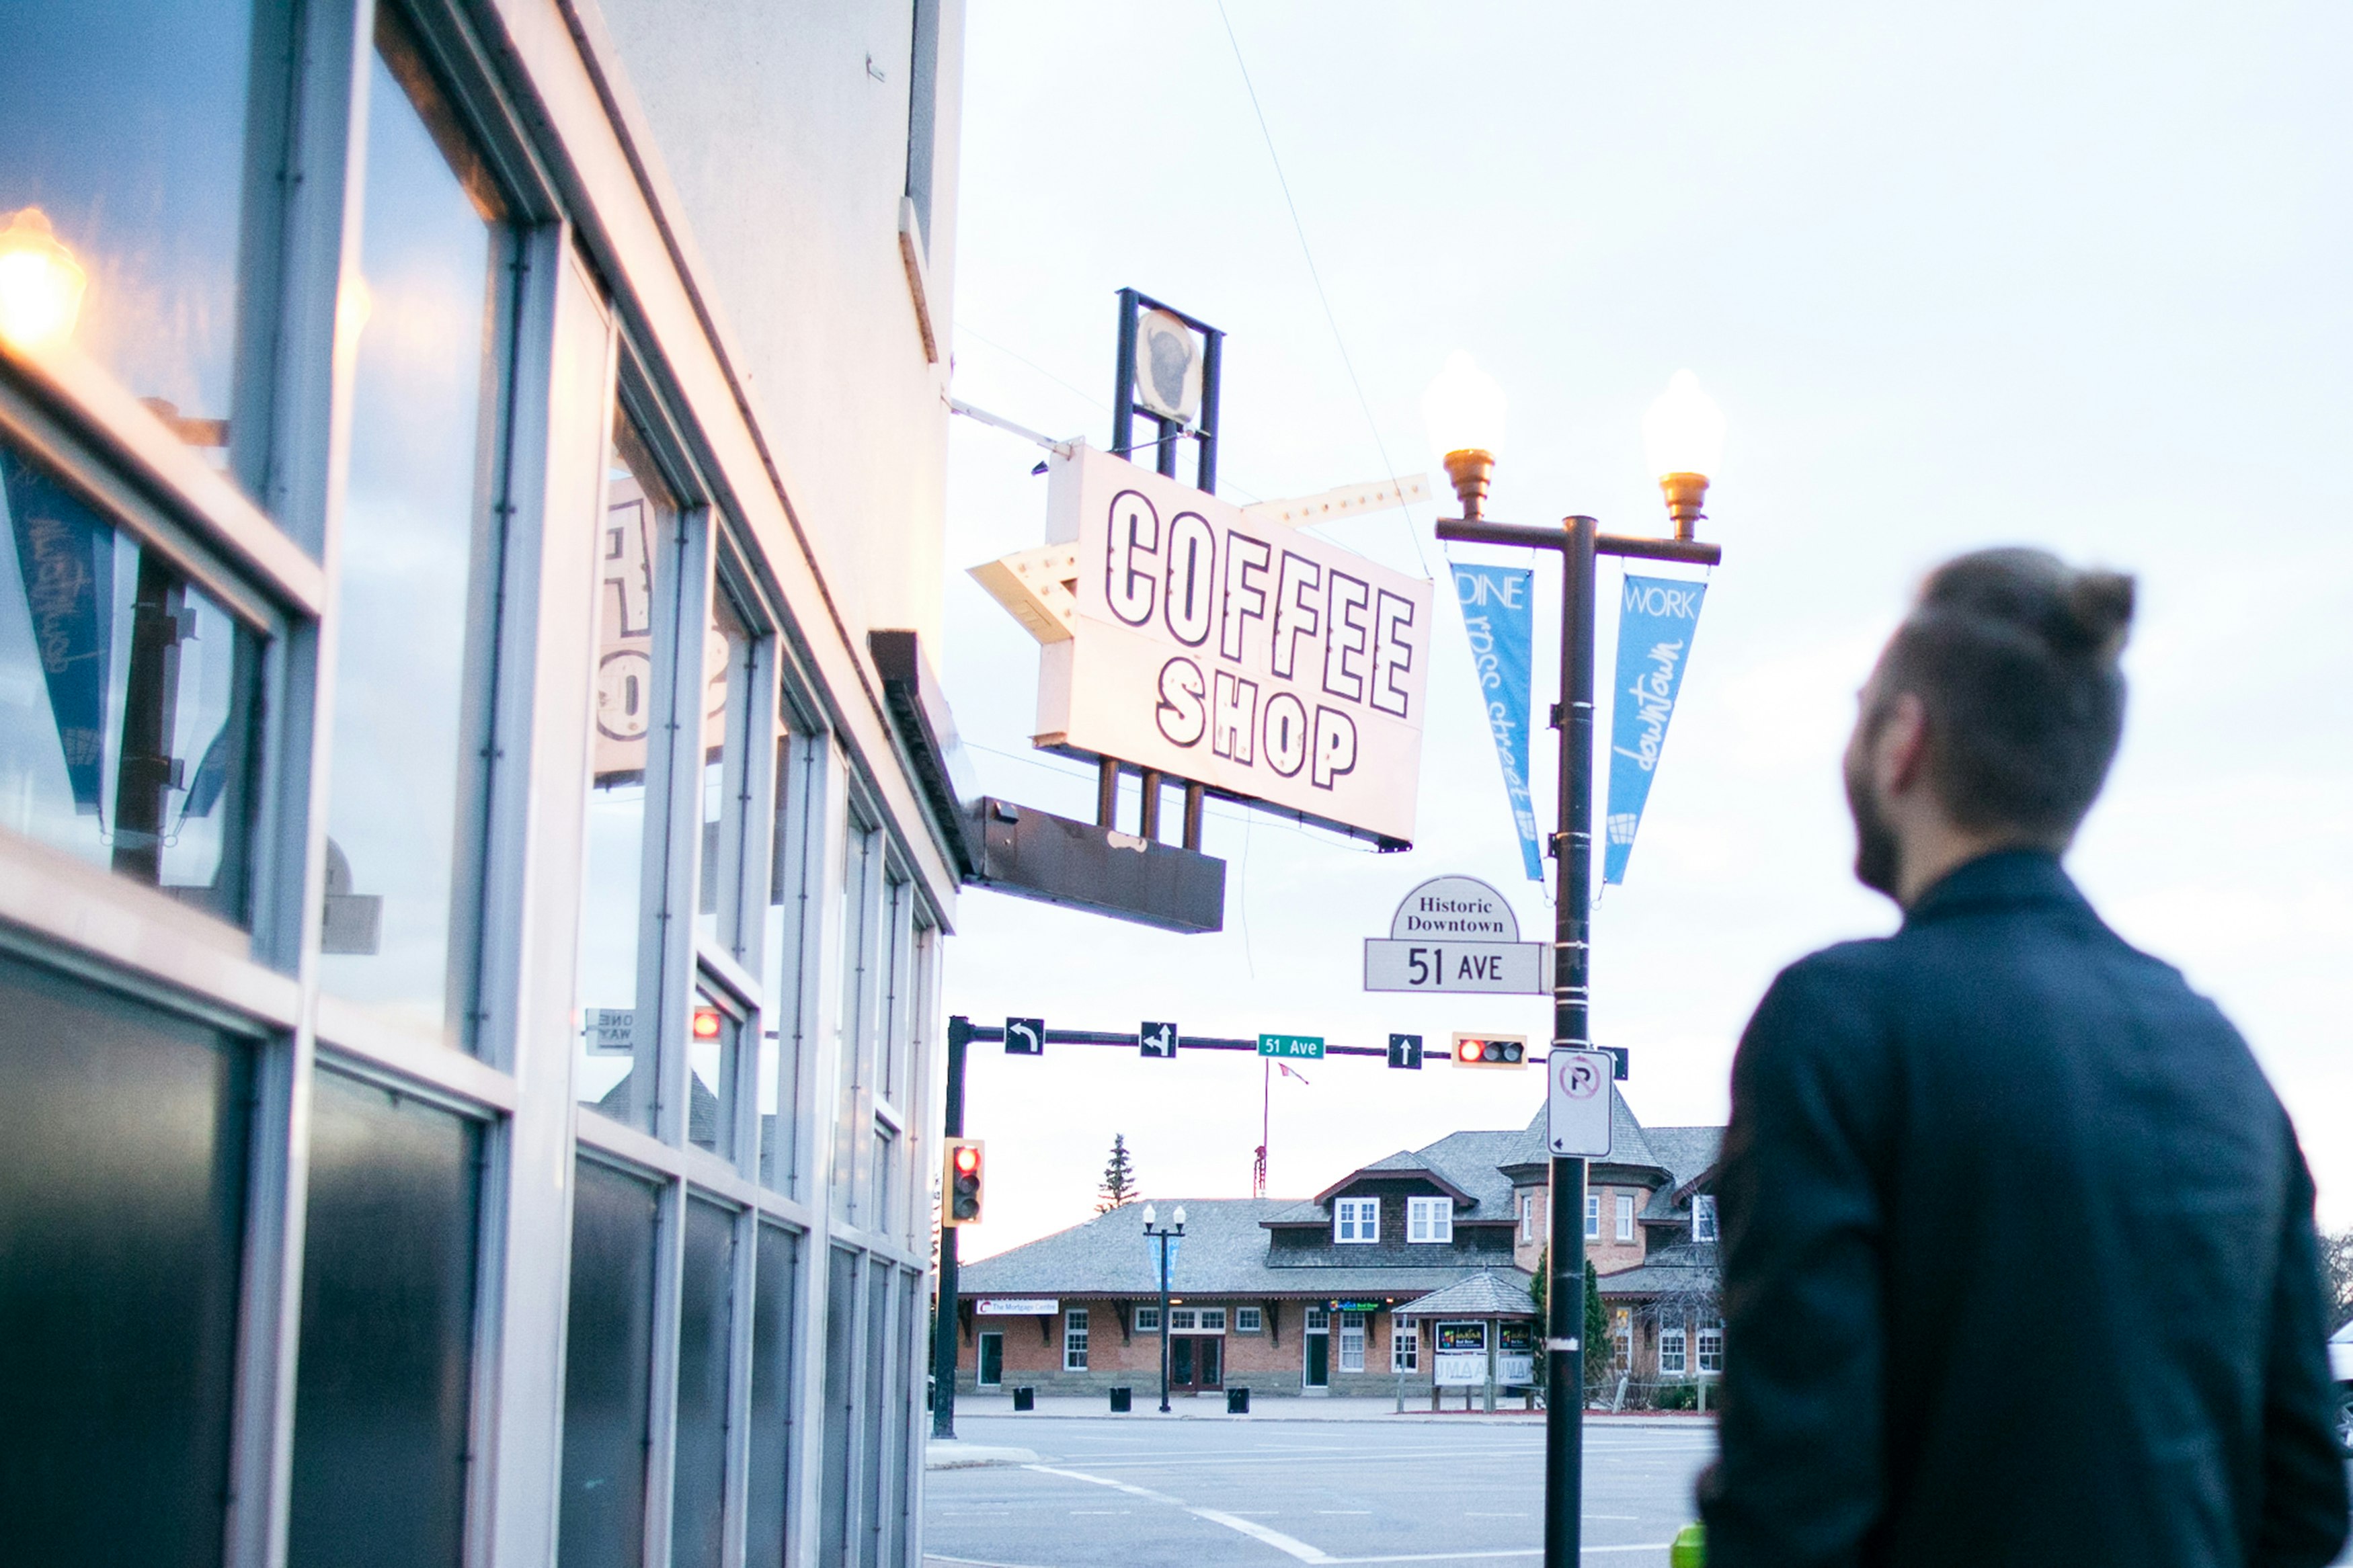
1484,1294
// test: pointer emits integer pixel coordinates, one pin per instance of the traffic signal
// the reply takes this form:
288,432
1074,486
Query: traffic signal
1490,1050
960,1183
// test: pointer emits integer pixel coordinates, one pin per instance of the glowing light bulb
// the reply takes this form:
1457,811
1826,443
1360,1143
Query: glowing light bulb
41,284
1683,431
1150,1213
1180,1216
1464,409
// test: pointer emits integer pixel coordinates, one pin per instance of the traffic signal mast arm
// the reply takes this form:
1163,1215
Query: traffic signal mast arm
990,1034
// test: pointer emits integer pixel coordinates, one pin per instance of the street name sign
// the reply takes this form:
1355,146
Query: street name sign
1157,1040
1297,1047
1456,933
1576,1102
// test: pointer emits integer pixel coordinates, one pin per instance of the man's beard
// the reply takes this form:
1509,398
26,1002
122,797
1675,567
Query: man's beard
1877,854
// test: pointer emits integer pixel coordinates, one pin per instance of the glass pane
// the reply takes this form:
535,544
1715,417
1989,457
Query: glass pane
123,196
772,1397
876,1463
382,1392
727,695
780,962
699,1490
121,1204
635,561
712,1039
897,934
416,616
853,1015
836,1506
128,700
607,1369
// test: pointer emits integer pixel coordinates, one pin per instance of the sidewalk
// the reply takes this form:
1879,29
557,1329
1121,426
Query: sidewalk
1294,1407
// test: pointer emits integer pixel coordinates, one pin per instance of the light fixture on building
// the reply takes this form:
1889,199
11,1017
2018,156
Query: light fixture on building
41,284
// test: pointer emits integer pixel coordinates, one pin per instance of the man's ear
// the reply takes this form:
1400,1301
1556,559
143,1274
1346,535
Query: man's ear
1901,756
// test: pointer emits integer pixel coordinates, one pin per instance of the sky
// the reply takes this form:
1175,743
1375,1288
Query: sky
1957,274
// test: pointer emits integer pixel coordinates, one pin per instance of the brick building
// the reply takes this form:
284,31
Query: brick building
1317,1295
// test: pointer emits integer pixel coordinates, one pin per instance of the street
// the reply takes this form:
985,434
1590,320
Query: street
1144,1493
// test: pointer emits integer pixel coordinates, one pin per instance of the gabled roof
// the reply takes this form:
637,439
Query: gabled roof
1689,1154
1689,1269
1394,1165
1486,1294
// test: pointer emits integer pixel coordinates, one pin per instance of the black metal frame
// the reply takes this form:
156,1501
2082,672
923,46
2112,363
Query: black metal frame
1125,408
1580,542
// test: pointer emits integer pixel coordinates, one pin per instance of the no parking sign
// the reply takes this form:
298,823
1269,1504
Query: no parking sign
1577,1102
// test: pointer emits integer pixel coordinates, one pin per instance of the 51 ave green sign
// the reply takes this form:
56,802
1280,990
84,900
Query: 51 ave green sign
1308,1047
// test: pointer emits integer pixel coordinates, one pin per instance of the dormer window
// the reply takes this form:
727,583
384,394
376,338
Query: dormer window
1356,1219
1704,1217
1430,1219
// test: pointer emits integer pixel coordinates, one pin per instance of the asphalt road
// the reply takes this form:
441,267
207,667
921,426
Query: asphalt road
1108,1493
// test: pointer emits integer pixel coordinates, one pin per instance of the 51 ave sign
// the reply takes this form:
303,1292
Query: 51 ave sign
1262,661
1456,933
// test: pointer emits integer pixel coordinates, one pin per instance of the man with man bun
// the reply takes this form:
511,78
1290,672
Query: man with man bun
2018,1249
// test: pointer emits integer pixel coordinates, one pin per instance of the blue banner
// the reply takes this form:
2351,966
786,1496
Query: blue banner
1656,618
1152,1245
65,556
1501,619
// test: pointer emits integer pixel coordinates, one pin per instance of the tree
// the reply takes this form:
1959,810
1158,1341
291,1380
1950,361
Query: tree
1599,1347
1118,1188
2336,1268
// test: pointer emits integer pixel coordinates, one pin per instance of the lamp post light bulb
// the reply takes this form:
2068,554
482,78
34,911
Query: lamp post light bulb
1682,435
41,284
1150,1215
1179,1216
1464,409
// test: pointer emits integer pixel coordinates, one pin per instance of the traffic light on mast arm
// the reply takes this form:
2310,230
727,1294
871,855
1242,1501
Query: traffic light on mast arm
960,1183
1491,1051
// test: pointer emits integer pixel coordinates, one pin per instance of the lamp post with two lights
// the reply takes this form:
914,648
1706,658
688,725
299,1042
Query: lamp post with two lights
1683,435
1163,1235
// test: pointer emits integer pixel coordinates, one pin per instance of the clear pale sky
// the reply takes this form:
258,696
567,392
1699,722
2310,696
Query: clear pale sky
1958,275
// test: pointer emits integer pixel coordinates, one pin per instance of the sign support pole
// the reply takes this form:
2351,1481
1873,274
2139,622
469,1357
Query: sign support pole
1572,908
943,1331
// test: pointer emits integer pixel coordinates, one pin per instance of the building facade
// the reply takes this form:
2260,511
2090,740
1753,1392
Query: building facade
470,929
1327,1295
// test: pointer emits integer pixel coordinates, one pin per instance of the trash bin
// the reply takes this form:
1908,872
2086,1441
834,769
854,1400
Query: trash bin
1025,1398
1237,1402
1690,1548
1122,1401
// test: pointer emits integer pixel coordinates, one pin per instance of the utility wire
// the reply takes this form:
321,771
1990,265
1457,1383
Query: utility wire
1306,251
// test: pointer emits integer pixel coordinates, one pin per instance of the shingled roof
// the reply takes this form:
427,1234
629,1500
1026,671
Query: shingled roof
1486,1294
1224,1251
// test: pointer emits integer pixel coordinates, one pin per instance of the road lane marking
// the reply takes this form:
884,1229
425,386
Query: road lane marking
1289,1545
1468,1556
1337,1511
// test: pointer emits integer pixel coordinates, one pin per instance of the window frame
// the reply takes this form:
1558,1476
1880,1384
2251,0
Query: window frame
1625,1225
1704,1218
1676,1334
1249,1320
1405,1345
1074,1339
1593,1217
1434,1215
1360,1215
1144,1327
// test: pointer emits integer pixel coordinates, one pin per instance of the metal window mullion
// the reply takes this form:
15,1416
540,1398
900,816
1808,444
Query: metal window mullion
661,1399
260,1477
743,1311
666,878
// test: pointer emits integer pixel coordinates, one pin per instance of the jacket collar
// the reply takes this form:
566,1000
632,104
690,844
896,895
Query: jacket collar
2006,878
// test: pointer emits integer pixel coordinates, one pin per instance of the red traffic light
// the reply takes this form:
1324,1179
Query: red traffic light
961,1182
706,1023
1490,1050
967,1159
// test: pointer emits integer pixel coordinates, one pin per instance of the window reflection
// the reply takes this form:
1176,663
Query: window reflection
128,700
712,1036
122,194
415,613
727,691
634,562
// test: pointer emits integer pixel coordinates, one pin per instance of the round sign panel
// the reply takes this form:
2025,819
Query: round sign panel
1579,1078
1459,907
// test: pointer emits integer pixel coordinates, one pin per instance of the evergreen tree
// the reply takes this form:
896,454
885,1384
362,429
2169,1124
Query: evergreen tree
1118,1188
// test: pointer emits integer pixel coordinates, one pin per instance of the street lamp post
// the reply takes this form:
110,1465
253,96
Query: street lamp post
1683,435
1163,1235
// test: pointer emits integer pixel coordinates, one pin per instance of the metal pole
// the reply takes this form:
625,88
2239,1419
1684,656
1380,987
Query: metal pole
1122,396
1572,903
1213,358
1164,1322
943,1332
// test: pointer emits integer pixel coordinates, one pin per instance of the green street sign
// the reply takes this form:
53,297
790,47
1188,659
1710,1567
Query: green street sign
1298,1048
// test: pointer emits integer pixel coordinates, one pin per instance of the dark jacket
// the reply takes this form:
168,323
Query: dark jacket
2019,1264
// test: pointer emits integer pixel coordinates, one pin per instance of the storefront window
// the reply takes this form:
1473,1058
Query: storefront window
128,700
727,701
712,1044
415,613
635,565
123,196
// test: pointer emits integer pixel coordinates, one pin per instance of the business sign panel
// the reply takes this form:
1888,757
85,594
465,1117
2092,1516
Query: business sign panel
1461,1355
1258,660
1017,1306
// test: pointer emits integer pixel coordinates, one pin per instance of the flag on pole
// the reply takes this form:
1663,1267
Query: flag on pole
1656,618
1500,617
